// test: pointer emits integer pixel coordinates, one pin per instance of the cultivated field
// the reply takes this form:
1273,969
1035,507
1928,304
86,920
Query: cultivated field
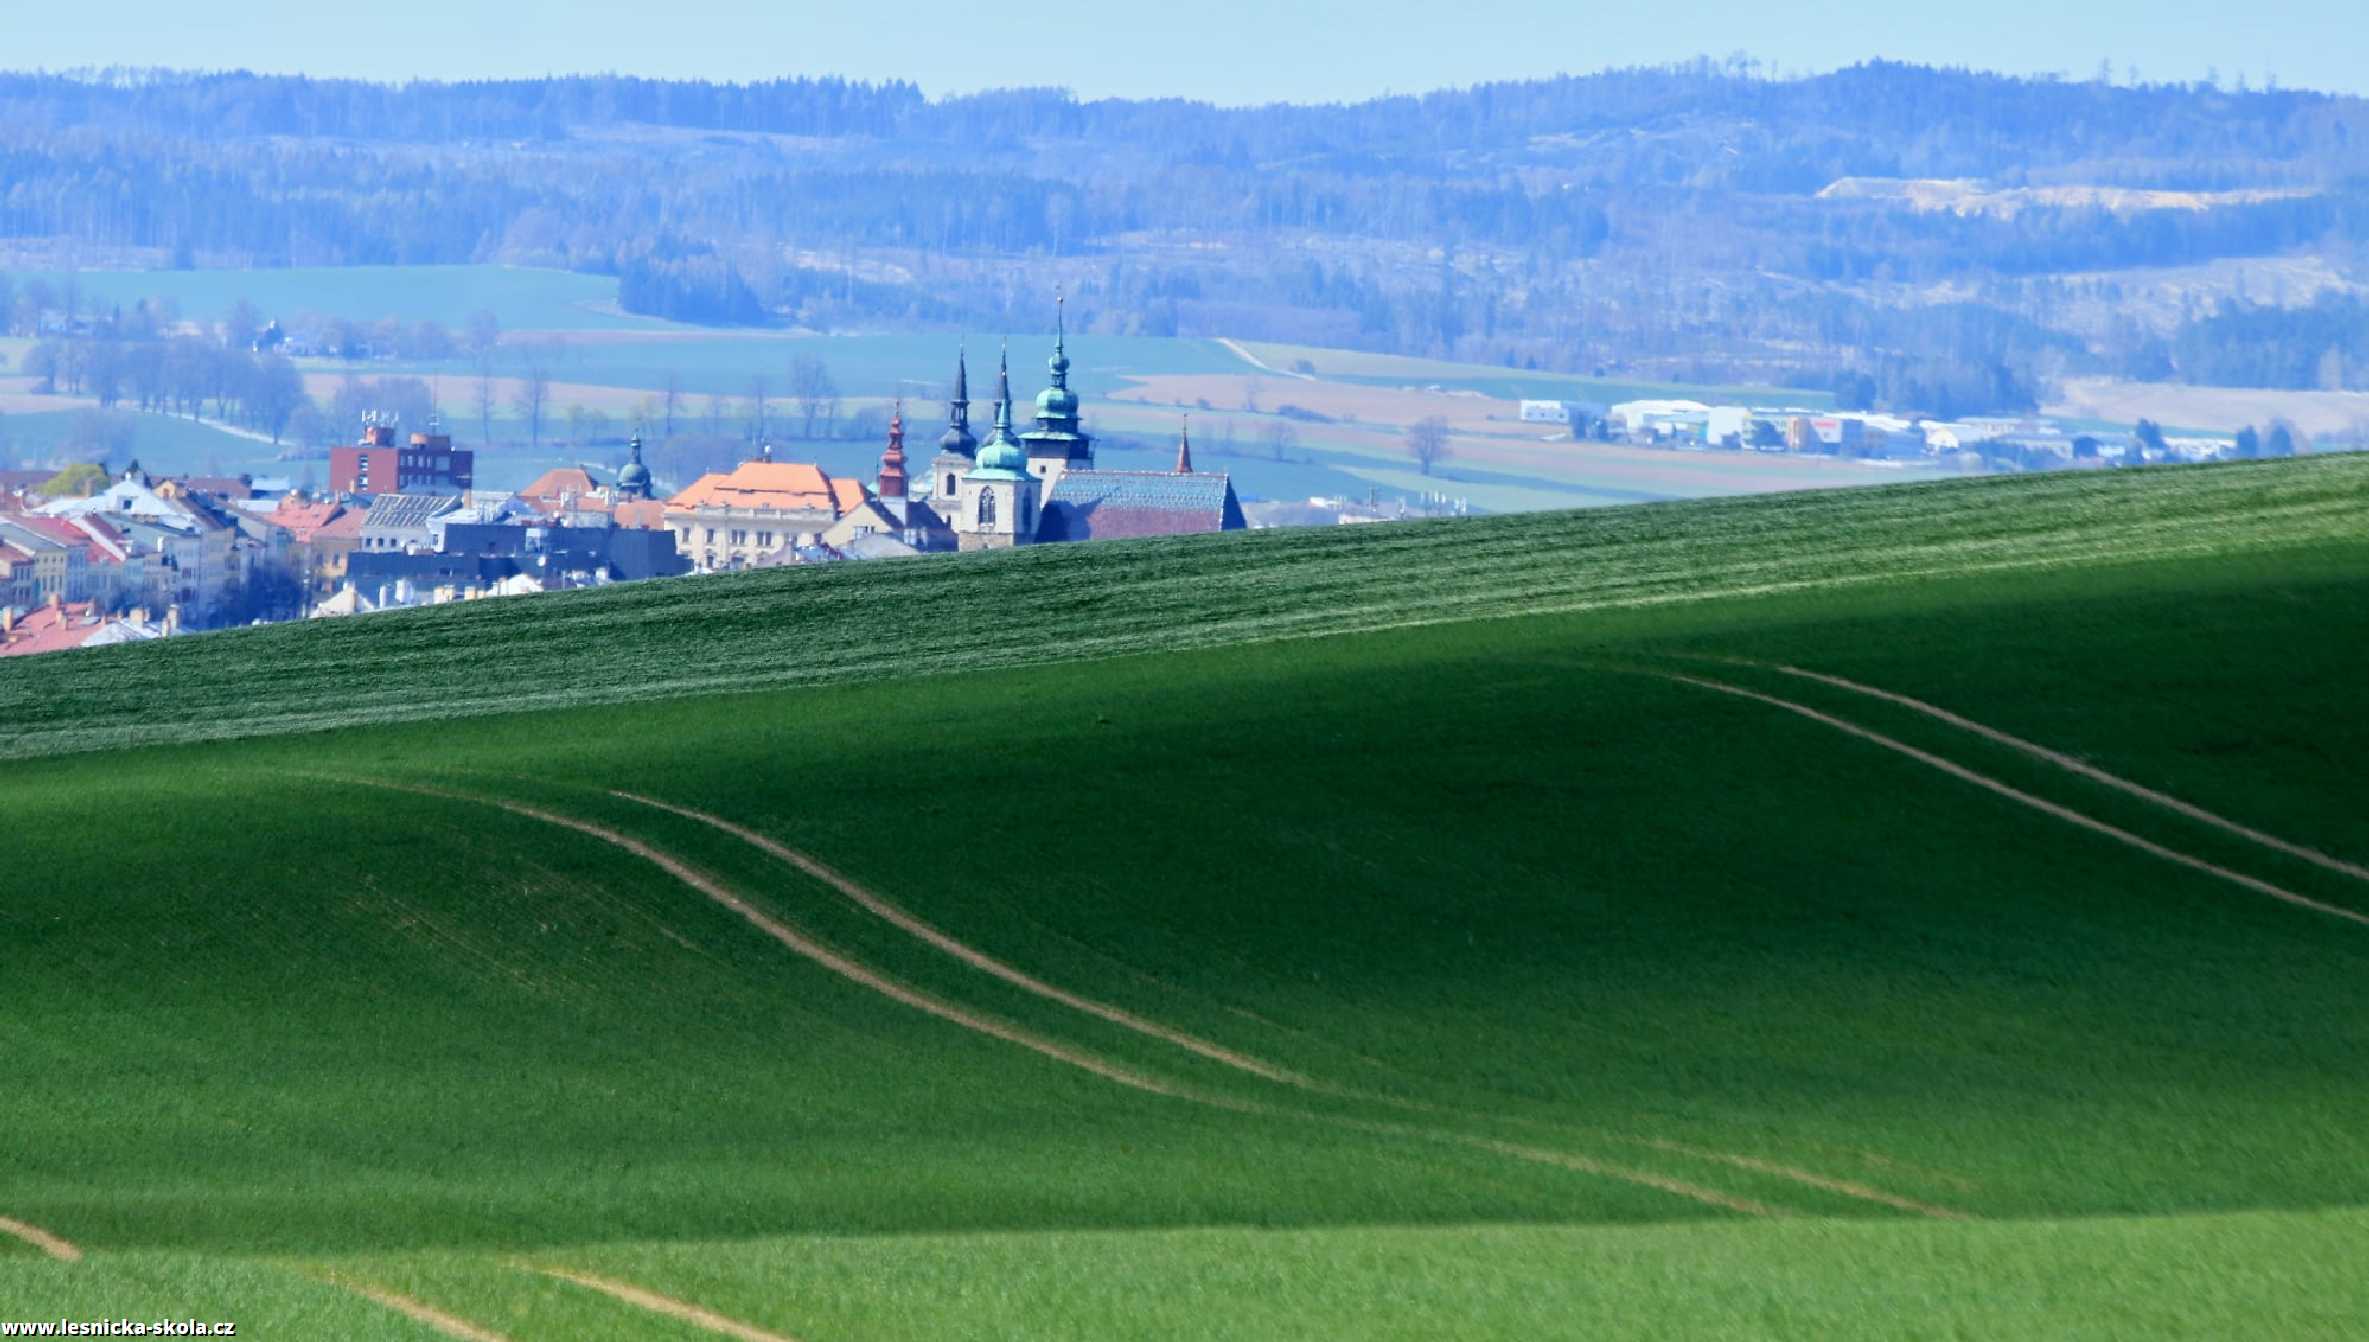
1033,948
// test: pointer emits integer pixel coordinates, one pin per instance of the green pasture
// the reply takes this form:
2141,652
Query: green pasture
1557,996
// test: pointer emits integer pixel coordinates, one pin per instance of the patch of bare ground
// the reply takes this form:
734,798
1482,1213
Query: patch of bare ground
2227,409
54,1245
695,1315
419,1312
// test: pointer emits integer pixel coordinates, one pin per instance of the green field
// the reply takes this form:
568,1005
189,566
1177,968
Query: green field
1646,988
164,444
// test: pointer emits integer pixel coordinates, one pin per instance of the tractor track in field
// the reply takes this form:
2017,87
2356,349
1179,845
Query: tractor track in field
2040,804
640,1298
865,976
2078,766
844,966
56,1246
895,914
419,1312
898,916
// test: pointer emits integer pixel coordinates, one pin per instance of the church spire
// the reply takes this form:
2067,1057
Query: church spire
958,437
1184,446
891,484
1059,364
1003,394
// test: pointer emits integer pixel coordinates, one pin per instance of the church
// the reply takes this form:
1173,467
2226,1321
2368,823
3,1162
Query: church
1042,485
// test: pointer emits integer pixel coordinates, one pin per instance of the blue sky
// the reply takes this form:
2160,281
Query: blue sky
1231,51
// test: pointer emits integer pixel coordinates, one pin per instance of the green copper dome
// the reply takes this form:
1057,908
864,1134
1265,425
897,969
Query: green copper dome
1056,402
1001,457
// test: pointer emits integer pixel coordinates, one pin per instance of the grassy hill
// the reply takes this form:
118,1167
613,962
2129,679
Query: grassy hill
1076,944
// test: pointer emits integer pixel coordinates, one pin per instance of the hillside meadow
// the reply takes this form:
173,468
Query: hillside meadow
1496,929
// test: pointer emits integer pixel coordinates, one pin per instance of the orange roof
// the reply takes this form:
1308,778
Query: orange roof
51,629
847,494
558,481
303,519
345,526
646,514
786,486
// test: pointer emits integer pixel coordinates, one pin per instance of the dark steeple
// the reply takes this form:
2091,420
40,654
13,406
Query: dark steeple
1184,446
958,412
633,481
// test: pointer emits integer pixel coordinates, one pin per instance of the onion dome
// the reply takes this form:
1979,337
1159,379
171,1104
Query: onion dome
633,479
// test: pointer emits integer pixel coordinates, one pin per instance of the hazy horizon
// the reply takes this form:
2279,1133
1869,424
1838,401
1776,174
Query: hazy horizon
1229,52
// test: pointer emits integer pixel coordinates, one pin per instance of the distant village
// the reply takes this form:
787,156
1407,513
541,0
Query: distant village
1972,444
401,523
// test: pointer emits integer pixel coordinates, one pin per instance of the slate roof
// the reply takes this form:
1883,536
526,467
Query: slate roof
1114,505
406,511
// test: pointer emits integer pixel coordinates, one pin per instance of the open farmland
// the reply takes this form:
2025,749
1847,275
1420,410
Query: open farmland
1726,952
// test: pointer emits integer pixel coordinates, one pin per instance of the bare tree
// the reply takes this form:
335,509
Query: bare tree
1281,439
759,389
532,400
672,399
816,393
485,399
1427,442
485,332
714,417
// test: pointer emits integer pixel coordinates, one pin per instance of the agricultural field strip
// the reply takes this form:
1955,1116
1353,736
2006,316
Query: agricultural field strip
2084,769
2042,805
864,976
663,1304
1475,579
1402,612
55,1246
425,1315
896,915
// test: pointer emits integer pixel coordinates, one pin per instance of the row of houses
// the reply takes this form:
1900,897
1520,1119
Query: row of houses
2017,442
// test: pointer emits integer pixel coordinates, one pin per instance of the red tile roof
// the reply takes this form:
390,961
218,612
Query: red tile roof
303,520
51,629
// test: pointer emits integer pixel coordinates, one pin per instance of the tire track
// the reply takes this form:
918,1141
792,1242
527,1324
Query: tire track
2083,768
898,916
2046,807
451,1325
852,970
869,978
55,1246
667,1305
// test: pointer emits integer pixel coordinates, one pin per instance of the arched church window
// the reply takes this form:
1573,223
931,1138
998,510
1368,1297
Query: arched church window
950,485
986,508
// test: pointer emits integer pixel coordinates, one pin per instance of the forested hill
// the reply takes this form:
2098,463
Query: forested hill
1691,221
1879,119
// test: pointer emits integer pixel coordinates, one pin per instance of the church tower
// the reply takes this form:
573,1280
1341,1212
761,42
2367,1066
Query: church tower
957,449
633,479
1057,443
890,486
997,505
